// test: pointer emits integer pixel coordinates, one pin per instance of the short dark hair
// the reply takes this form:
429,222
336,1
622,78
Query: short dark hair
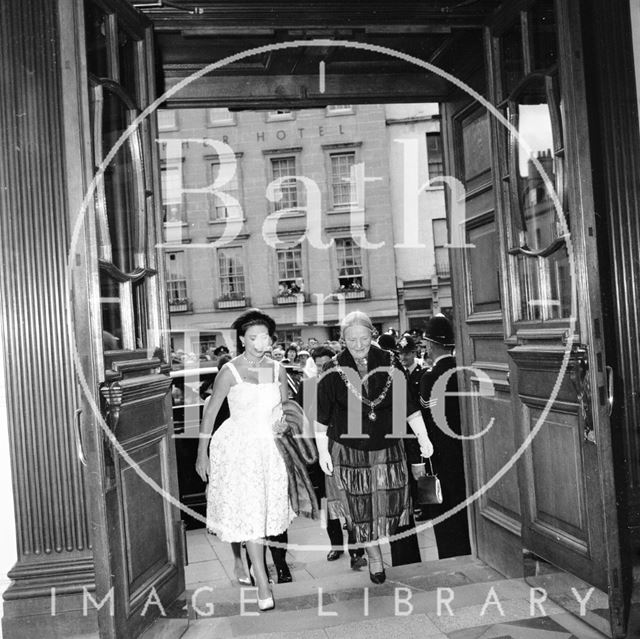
322,351
253,317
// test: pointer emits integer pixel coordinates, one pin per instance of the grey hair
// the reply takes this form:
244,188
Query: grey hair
356,318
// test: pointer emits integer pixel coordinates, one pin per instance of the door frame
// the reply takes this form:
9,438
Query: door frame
103,471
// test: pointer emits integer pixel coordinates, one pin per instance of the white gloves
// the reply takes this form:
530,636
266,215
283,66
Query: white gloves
417,425
324,458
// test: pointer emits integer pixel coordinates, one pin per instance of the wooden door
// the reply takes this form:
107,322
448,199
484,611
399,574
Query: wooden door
528,303
130,450
480,309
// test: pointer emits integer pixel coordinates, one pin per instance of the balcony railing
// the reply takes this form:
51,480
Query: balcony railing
291,298
179,306
232,301
352,294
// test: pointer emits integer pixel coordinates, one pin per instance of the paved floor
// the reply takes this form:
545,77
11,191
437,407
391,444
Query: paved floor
454,598
211,561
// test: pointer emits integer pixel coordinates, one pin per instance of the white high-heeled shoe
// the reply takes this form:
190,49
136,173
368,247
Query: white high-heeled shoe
266,604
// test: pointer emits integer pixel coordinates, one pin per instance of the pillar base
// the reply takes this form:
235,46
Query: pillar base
49,599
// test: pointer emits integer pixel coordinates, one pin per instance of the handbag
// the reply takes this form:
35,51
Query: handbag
429,488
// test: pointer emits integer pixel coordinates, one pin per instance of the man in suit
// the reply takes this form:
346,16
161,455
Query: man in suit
441,413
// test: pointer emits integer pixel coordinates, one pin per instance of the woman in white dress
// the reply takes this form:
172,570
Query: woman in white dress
247,496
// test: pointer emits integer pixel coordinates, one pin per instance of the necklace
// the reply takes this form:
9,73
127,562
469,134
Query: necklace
367,402
251,361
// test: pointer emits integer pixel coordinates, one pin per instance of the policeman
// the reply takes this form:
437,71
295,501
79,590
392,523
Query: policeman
452,535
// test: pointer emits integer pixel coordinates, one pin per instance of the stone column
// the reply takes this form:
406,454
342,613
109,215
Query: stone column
52,523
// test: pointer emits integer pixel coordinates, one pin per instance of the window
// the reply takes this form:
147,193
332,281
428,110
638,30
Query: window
434,155
343,191
441,253
171,180
289,335
220,116
167,120
290,276
231,270
527,83
349,257
207,342
220,209
340,109
285,167
176,280
280,114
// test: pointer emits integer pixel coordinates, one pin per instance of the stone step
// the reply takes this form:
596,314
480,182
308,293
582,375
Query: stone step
301,595
405,606
457,598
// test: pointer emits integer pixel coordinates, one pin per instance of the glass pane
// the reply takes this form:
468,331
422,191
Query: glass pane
231,273
530,299
543,26
349,264
140,313
559,284
167,119
221,207
544,286
476,144
536,205
483,267
434,155
119,184
111,313
290,280
129,59
343,191
96,41
512,59
220,116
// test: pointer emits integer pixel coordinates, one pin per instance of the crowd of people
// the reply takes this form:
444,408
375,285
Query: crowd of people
298,354
345,403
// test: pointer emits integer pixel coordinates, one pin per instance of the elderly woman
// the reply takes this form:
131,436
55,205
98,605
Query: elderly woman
368,477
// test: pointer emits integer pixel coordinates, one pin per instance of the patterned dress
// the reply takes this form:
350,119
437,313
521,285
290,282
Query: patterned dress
248,491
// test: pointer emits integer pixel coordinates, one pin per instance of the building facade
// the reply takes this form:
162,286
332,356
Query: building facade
302,214
417,181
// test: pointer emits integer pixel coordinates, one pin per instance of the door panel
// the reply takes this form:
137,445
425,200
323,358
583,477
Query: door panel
138,540
480,310
146,545
497,448
564,515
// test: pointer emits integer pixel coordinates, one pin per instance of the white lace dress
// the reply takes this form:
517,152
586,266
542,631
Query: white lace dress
248,493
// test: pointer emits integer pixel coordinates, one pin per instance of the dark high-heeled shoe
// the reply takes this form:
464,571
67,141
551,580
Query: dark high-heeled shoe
284,574
378,577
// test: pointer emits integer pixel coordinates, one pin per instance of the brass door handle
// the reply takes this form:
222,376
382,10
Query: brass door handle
609,391
76,425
